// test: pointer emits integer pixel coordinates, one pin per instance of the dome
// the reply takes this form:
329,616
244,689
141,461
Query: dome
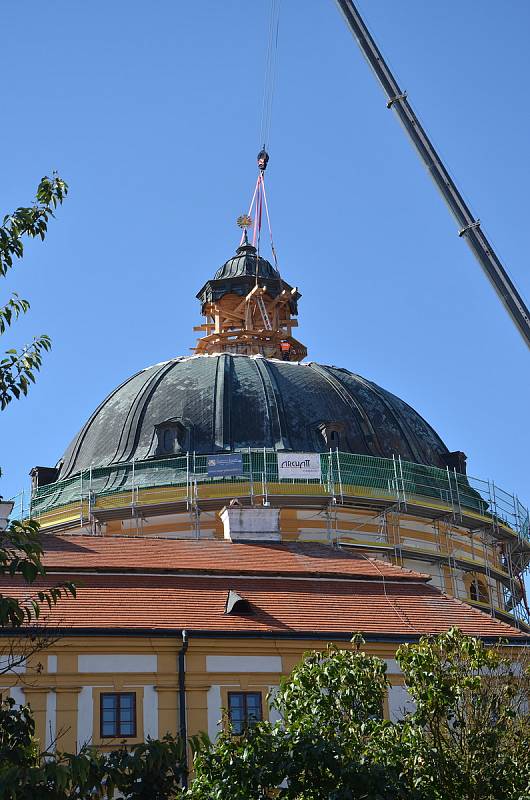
244,263
239,274
230,402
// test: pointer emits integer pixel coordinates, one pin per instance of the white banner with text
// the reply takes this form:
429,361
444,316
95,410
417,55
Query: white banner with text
299,465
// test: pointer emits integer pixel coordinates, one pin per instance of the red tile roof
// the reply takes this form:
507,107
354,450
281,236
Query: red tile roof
292,589
105,553
282,606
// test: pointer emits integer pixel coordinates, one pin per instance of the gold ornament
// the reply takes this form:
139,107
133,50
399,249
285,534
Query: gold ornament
244,221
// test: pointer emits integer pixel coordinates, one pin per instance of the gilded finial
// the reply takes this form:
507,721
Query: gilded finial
244,221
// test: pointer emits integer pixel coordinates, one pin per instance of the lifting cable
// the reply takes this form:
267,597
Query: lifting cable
259,197
270,73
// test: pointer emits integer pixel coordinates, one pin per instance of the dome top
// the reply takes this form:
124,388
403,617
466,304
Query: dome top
225,402
244,263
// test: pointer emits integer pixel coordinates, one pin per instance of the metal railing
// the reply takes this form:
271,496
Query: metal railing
185,478
132,488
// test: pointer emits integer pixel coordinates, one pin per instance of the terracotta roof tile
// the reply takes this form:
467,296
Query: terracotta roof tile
213,556
282,605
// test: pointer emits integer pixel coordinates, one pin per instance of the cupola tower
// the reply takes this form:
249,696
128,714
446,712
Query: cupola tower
248,308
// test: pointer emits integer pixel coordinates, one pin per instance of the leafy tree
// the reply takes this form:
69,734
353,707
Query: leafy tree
21,555
20,545
328,744
18,367
468,738
150,771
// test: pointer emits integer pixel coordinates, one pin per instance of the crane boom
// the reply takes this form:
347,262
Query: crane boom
469,227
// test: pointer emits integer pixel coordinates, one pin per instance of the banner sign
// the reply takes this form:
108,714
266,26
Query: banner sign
225,465
299,465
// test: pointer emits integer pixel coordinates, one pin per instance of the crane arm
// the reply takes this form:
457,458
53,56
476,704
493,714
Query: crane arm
469,227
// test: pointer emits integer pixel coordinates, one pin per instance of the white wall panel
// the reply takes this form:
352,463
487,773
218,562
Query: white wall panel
274,714
214,711
85,717
150,712
51,718
399,702
17,693
243,664
117,663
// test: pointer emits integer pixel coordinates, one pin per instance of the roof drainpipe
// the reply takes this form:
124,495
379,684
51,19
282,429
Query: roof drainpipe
182,704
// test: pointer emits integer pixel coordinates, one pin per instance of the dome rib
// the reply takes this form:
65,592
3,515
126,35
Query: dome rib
429,437
244,264
274,405
411,453
232,402
406,430
71,454
222,397
132,425
371,441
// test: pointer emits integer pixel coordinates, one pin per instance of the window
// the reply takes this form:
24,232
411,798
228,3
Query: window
334,440
172,438
244,710
169,440
118,715
329,435
478,592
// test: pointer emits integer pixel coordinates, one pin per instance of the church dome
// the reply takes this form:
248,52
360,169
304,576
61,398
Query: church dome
229,402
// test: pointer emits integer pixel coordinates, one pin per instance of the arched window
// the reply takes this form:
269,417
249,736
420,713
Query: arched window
478,591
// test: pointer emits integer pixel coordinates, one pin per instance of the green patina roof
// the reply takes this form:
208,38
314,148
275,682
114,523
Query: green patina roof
244,263
238,275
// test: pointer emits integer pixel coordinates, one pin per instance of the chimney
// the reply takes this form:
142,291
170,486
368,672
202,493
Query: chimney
456,460
42,476
259,524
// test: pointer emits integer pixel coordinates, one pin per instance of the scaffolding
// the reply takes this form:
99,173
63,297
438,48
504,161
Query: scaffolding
390,488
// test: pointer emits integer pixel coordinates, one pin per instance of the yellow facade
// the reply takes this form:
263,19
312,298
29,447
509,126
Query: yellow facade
65,699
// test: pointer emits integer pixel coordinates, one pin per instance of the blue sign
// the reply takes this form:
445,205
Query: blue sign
225,465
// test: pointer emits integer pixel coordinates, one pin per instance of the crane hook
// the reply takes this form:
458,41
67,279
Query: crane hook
263,160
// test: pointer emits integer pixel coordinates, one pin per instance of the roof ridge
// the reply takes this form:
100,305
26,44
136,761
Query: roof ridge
214,556
200,572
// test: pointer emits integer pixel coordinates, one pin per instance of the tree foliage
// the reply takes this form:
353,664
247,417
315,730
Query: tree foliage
20,545
18,367
150,771
21,555
468,737
327,745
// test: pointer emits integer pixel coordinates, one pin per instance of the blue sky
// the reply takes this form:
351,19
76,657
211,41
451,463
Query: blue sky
151,112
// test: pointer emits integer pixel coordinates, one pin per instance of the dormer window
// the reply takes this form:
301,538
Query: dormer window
172,438
331,435
235,604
